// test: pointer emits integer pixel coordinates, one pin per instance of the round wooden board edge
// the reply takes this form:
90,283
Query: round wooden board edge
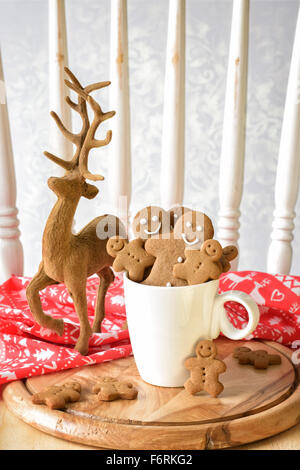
110,435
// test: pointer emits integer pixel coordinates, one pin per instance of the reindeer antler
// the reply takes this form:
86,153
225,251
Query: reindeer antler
85,139
90,141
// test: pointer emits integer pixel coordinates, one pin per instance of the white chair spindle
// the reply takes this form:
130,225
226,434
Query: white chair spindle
172,164
11,251
120,146
288,170
233,142
58,59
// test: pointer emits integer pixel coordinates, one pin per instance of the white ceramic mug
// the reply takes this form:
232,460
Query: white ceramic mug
166,323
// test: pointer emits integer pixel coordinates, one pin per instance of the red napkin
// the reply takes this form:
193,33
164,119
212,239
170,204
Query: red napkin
26,349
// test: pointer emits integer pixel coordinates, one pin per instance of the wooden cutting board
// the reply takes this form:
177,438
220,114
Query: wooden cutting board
255,404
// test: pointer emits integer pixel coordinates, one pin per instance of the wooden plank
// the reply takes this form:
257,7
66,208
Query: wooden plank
120,146
172,157
58,59
233,142
11,251
288,171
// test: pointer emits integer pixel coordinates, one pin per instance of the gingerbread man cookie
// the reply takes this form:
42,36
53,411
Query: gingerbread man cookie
109,389
200,265
56,397
167,252
129,256
205,370
194,228
151,222
259,358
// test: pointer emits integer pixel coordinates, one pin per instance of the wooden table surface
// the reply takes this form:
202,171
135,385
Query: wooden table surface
16,435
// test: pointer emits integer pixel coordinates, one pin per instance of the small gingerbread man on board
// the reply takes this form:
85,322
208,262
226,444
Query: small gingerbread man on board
205,370
110,389
56,397
258,358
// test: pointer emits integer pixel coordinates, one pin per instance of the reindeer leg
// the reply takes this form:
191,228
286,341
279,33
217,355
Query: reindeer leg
106,278
38,283
78,293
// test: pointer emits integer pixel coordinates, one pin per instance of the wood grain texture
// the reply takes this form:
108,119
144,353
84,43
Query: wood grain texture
254,405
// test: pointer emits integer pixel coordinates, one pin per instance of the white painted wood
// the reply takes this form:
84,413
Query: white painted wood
58,59
233,142
172,164
120,147
11,252
288,171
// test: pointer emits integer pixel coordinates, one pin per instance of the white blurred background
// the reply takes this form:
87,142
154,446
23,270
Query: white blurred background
24,43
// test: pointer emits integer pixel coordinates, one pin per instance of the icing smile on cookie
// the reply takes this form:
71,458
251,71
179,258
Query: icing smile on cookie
154,232
155,218
194,242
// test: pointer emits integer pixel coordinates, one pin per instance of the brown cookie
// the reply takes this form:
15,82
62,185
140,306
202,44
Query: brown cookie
241,349
194,228
175,213
200,265
205,370
151,222
167,252
129,256
259,358
109,389
230,252
56,397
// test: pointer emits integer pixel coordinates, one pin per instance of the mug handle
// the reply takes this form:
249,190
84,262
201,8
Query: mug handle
225,325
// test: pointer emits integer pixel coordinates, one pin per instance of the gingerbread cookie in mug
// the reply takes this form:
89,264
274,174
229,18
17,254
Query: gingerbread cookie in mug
167,252
129,256
194,228
151,222
200,265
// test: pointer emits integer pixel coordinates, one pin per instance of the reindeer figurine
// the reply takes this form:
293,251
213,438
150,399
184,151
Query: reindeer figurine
69,258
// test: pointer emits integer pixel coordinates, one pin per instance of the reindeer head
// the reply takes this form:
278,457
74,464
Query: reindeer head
73,184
